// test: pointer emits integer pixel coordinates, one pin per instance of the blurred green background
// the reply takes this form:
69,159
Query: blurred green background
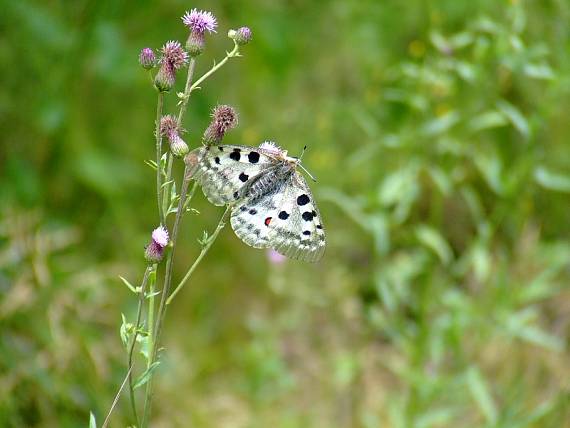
439,133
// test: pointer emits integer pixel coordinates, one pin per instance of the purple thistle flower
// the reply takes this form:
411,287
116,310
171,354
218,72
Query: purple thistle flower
155,250
169,126
147,58
173,57
198,21
242,36
224,118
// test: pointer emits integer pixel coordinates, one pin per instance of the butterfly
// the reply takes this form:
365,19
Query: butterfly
272,206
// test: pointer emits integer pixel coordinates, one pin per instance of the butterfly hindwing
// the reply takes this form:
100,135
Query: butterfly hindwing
224,170
285,219
298,231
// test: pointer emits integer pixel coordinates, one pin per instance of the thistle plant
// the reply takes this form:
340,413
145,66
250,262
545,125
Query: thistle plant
141,336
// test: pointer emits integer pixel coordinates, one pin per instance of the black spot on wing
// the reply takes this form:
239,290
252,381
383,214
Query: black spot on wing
253,157
235,155
308,215
307,232
236,195
319,226
283,215
303,200
253,211
243,177
221,149
217,160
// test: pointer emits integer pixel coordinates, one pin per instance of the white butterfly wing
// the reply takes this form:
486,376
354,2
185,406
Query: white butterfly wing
224,170
286,220
298,231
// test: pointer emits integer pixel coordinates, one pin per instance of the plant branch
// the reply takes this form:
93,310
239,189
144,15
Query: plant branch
167,280
147,272
187,91
115,401
205,247
234,53
158,136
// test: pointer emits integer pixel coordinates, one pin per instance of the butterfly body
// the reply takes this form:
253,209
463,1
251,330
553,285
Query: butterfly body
272,206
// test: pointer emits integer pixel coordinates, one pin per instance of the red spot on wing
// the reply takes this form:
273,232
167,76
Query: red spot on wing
268,220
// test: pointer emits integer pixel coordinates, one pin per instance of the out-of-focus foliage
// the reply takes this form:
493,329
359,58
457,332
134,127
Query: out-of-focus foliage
439,134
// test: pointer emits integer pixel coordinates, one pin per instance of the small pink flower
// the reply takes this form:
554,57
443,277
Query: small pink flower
275,258
155,250
160,236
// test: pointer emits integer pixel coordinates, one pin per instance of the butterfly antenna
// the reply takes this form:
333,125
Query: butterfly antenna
308,173
303,152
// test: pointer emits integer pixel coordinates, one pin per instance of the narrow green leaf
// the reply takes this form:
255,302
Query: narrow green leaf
539,71
146,375
128,284
432,239
151,163
551,180
92,421
441,124
125,330
487,120
480,392
515,117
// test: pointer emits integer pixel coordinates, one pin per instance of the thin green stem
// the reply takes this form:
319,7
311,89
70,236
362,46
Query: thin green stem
147,272
187,90
158,136
190,196
205,249
234,53
116,400
166,190
165,291
183,104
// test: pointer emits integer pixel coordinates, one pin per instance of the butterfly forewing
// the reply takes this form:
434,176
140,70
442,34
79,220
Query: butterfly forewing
224,170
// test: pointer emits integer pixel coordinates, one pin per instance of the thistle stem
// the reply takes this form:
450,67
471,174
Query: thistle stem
232,54
116,400
147,272
158,136
187,91
165,291
205,249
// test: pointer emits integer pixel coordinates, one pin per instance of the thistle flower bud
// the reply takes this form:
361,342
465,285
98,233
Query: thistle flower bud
242,36
224,118
154,251
165,78
178,146
173,58
198,22
147,59
170,129
195,44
